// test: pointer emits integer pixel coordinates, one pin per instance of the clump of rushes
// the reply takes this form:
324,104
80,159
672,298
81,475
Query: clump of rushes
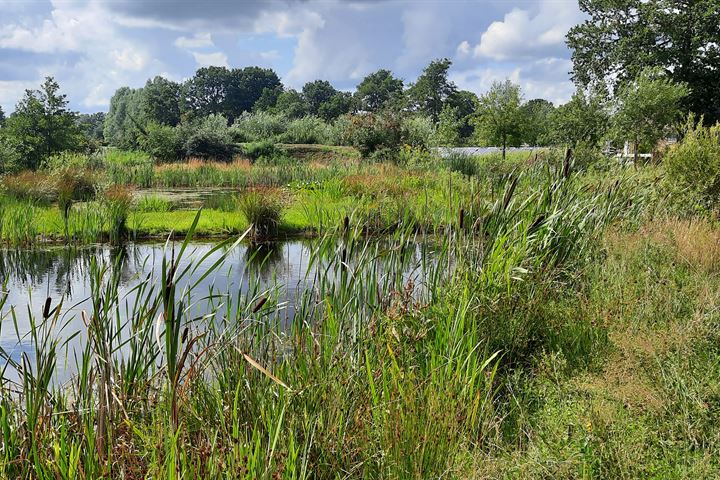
33,186
262,207
72,184
118,200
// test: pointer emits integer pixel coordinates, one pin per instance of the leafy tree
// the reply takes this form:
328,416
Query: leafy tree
161,101
339,104
43,125
584,119
536,115
317,93
92,124
2,116
292,104
378,90
206,92
620,38
499,120
125,120
245,87
647,107
268,99
432,89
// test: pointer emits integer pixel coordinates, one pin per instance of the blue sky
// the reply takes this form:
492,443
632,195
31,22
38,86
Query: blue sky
94,47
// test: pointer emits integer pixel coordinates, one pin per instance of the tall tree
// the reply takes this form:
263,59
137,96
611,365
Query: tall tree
2,116
646,108
536,114
584,119
161,101
292,104
245,87
206,92
92,125
620,38
432,89
377,90
316,93
125,120
499,119
43,125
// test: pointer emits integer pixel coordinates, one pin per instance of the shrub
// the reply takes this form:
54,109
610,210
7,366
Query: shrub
694,163
338,132
308,129
77,161
211,140
163,142
9,156
418,131
264,149
372,132
254,127
262,208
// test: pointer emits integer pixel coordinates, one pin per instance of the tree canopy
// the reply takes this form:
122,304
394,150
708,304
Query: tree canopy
499,116
432,89
620,38
377,90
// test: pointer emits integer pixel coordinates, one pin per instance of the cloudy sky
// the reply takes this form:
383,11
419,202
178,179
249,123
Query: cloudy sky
95,46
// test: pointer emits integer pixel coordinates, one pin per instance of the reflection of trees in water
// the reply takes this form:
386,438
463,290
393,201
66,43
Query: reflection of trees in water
264,259
61,266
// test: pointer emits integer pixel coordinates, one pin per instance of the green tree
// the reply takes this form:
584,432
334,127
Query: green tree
499,120
268,99
646,108
291,104
620,38
317,93
583,120
206,92
377,90
92,124
43,125
339,104
2,116
536,114
125,121
161,101
245,87
432,89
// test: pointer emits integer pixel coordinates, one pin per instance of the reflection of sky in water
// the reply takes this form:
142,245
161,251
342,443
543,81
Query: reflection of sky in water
30,276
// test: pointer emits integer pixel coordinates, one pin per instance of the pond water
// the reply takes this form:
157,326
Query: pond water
283,271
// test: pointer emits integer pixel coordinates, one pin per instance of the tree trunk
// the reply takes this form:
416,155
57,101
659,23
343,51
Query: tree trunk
504,147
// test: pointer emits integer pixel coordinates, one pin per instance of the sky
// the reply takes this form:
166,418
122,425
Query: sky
93,47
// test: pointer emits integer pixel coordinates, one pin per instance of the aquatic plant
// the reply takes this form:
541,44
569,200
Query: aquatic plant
262,208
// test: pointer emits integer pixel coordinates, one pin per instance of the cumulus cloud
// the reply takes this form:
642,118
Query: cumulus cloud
198,40
526,34
215,59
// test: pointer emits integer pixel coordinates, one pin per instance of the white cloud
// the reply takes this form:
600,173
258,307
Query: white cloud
522,34
463,50
198,40
128,59
216,59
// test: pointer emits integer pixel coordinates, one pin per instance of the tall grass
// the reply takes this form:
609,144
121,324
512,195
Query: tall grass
262,208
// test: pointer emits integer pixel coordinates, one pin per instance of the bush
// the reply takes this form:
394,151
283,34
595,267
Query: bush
212,140
9,156
694,163
308,129
262,208
163,142
418,131
254,127
265,149
338,132
372,132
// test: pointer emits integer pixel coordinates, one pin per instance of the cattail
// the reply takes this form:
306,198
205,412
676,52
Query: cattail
461,221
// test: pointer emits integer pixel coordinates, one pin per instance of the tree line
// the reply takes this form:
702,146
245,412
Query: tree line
636,70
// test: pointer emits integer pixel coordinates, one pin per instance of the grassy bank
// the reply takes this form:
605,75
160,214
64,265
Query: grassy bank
567,328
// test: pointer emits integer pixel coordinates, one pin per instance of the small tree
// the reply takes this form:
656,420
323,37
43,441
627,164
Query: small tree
499,119
536,116
646,108
42,125
584,119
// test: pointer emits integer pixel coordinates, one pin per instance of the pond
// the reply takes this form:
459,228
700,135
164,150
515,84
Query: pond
286,273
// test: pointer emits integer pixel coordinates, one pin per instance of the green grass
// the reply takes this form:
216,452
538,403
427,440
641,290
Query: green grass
567,328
